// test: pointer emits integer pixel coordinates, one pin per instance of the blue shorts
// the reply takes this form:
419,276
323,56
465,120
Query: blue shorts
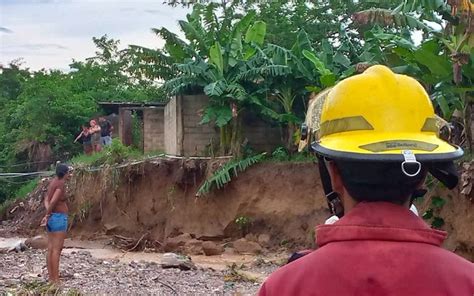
57,222
106,140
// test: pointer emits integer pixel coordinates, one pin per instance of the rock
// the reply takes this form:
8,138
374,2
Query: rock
211,249
263,239
174,243
243,246
19,246
172,260
110,227
38,242
229,251
193,247
84,253
251,237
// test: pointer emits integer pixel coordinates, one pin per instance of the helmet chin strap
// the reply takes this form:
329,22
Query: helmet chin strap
332,197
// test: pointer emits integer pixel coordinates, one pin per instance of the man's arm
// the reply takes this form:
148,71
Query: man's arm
49,205
78,137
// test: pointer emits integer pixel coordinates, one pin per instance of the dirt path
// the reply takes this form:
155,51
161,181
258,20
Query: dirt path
94,268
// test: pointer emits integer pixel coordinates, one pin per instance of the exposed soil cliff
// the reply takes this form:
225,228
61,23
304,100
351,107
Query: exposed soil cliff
157,198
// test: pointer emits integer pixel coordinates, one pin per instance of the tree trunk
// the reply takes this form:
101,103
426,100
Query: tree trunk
225,139
236,136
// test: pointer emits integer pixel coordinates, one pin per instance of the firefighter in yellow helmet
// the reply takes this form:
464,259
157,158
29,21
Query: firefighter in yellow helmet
376,137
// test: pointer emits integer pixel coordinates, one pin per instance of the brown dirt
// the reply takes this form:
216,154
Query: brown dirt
284,200
159,198
457,213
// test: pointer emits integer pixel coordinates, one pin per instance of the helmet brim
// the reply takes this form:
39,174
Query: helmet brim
386,147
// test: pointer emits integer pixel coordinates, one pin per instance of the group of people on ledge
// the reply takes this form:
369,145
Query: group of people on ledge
95,135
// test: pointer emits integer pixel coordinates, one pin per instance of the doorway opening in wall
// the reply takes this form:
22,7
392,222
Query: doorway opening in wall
137,130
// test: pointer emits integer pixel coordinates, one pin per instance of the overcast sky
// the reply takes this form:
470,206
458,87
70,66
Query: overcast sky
50,33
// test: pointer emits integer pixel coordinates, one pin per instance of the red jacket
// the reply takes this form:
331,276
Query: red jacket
378,248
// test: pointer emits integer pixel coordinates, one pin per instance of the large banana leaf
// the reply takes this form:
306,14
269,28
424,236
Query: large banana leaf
194,32
302,43
256,33
215,89
243,24
221,114
215,56
176,47
428,56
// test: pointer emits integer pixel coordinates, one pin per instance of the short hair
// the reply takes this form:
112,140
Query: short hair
378,181
62,170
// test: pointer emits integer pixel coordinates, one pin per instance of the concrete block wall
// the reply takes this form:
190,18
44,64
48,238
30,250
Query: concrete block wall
153,129
184,135
197,137
261,135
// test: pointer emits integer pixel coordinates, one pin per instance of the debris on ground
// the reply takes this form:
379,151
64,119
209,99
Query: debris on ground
25,273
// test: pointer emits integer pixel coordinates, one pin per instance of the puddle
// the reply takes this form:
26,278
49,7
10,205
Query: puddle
219,262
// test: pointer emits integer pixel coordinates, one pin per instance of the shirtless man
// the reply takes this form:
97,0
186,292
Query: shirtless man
55,220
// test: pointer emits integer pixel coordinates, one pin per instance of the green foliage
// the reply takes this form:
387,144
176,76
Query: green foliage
230,170
42,288
437,222
226,62
20,194
243,222
137,132
265,57
41,112
5,205
444,60
437,202
433,213
303,157
280,154
87,160
28,187
115,153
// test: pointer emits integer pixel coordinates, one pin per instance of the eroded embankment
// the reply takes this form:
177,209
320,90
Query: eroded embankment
157,198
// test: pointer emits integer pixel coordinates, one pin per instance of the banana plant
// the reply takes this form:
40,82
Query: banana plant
444,63
228,72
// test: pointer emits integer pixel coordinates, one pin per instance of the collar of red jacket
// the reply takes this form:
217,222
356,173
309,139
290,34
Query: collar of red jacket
379,221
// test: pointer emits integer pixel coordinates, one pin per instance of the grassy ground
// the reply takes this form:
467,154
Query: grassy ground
19,195
113,154
42,288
